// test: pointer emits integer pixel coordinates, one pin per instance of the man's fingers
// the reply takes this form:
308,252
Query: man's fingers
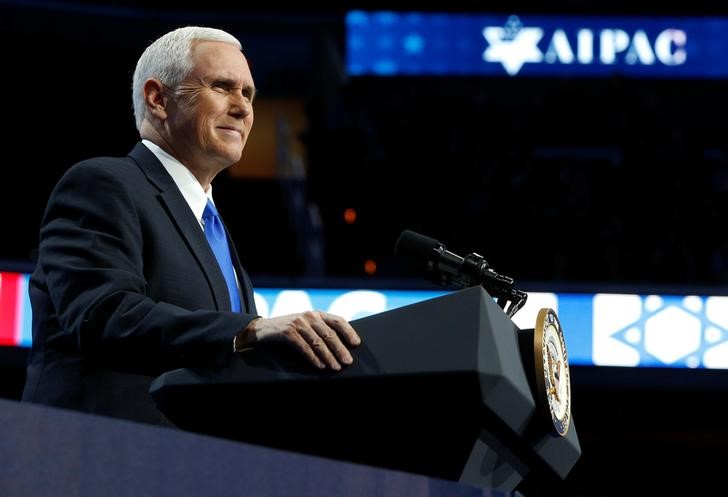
319,347
333,342
300,344
321,337
342,327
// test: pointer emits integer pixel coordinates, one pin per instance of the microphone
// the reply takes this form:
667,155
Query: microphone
429,258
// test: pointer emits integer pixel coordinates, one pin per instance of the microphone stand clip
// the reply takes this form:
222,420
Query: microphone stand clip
479,272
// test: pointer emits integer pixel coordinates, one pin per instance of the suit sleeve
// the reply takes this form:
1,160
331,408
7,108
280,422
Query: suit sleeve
91,253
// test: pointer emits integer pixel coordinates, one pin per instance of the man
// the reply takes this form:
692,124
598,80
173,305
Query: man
128,283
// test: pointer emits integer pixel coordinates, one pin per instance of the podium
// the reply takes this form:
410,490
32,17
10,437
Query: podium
437,388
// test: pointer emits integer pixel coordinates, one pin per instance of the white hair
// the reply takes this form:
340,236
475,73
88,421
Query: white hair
169,59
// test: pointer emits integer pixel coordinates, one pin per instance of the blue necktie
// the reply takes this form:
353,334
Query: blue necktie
215,233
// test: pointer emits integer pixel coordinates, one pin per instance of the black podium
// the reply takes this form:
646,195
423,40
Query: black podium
437,388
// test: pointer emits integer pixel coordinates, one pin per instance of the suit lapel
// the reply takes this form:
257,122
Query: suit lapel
189,228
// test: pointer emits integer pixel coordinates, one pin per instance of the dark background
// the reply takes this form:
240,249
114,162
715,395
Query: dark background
626,179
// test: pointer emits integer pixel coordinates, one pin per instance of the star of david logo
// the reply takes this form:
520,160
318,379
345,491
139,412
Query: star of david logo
512,45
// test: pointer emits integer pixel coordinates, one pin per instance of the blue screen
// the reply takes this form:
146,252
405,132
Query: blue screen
411,44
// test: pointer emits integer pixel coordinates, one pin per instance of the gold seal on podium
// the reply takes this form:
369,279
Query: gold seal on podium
553,385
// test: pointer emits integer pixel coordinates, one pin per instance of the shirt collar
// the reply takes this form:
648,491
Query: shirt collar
187,183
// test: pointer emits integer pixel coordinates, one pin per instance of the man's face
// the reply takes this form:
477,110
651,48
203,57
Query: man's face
211,113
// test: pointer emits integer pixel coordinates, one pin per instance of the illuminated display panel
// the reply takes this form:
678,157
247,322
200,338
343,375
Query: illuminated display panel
411,44
600,329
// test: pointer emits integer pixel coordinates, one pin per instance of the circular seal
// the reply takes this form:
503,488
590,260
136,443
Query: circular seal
553,385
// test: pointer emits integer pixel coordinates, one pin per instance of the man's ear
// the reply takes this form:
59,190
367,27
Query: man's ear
155,99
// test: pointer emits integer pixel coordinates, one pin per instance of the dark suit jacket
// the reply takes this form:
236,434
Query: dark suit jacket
126,287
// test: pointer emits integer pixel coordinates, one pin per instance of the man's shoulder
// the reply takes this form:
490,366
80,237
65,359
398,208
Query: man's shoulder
103,162
95,175
122,166
140,172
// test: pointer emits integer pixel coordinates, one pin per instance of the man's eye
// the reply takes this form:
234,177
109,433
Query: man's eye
220,87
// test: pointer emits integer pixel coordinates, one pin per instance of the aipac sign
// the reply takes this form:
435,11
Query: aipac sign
514,45
390,44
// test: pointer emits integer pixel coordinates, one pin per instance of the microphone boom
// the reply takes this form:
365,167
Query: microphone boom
429,258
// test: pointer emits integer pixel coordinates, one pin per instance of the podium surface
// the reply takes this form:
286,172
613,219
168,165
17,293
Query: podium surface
437,388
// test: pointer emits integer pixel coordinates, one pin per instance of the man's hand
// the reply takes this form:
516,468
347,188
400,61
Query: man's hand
319,336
